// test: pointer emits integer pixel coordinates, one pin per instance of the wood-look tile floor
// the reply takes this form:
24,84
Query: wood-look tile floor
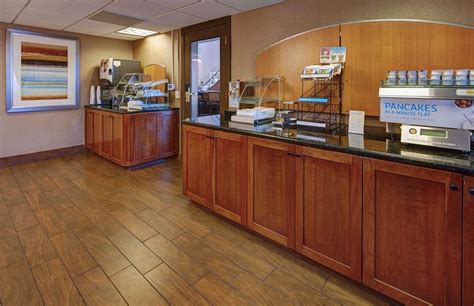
80,230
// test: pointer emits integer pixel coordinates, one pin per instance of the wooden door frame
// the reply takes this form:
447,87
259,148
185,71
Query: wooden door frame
225,57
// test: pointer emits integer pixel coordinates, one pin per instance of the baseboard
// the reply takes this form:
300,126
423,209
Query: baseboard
39,156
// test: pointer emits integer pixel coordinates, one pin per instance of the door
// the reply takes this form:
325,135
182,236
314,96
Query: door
329,209
412,223
146,136
230,176
270,203
468,241
206,68
169,133
198,151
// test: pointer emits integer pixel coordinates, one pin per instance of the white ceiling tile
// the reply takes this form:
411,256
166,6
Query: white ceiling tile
67,7
148,25
6,18
209,10
123,36
39,24
97,3
176,18
45,19
247,5
93,27
173,4
11,7
136,8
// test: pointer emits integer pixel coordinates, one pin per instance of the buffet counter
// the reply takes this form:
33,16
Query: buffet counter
132,138
357,205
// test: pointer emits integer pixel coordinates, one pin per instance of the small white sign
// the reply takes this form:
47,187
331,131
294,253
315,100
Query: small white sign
356,122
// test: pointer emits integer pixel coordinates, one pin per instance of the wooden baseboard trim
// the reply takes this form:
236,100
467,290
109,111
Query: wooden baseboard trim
39,156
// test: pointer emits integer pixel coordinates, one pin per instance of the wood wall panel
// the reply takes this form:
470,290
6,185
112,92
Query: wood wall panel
289,57
373,48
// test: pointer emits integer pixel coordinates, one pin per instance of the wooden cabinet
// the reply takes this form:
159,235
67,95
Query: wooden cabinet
329,209
468,241
168,129
198,164
412,225
214,171
271,190
230,176
132,138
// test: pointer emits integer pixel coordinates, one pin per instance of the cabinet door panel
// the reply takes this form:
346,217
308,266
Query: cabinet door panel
412,233
117,138
468,242
271,190
97,133
328,209
230,176
89,129
146,136
107,134
169,133
198,151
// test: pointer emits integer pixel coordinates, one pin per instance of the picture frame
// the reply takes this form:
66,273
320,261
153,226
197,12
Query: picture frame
42,71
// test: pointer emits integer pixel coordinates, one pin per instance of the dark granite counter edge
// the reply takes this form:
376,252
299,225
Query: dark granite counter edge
124,112
344,149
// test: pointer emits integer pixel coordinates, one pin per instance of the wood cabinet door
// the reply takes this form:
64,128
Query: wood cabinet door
169,133
146,137
97,132
89,128
112,136
270,202
468,241
230,176
198,164
329,209
412,225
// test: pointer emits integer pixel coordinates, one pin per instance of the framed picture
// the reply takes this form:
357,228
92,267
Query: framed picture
42,72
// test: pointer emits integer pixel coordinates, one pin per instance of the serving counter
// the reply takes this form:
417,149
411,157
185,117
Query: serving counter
398,219
131,138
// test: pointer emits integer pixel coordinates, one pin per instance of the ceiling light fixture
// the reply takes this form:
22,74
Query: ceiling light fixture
137,32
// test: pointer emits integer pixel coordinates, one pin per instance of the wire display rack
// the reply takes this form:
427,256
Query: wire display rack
320,104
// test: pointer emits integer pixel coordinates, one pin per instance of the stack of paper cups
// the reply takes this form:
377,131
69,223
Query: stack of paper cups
99,101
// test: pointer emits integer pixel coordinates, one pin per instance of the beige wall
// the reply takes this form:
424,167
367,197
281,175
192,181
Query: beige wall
23,133
158,49
255,30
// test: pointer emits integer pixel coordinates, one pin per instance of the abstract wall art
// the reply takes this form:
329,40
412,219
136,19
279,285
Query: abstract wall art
42,72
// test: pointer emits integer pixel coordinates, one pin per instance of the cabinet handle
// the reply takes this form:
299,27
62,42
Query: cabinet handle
210,137
291,154
298,155
453,187
471,191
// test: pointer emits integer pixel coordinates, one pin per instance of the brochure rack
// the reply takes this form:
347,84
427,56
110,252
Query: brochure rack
320,104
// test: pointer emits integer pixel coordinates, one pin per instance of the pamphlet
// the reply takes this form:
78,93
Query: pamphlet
332,55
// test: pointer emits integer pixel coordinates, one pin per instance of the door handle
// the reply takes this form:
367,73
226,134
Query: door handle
454,187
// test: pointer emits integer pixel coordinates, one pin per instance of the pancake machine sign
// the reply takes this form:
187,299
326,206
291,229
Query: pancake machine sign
449,113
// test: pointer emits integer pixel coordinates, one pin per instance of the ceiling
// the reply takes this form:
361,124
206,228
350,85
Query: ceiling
105,17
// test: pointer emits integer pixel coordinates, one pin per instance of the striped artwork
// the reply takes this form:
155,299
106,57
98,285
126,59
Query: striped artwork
44,71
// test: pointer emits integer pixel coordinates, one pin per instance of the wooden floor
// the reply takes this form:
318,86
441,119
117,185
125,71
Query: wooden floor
80,230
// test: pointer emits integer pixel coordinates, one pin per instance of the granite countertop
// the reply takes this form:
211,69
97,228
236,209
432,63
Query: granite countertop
115,109
375,143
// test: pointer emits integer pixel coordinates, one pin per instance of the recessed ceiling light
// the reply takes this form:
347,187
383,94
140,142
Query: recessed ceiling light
137,32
